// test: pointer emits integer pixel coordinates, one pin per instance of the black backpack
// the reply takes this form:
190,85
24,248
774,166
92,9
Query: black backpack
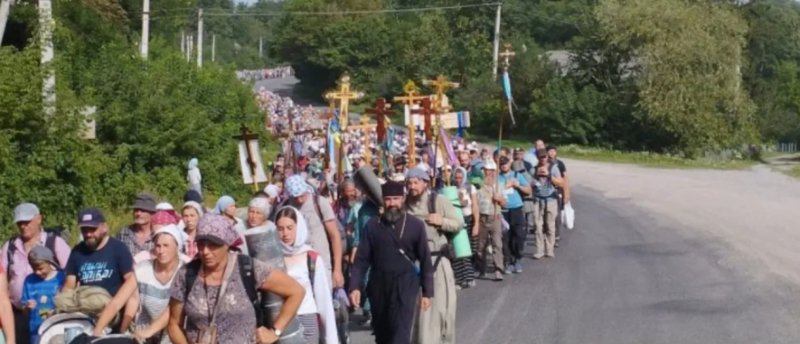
52,234
248,279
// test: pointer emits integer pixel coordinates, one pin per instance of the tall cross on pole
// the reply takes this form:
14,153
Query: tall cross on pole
439,85
410,98
506,55
344,95
380,110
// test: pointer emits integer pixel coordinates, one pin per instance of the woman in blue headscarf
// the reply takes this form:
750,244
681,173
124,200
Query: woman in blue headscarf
226,206
193,176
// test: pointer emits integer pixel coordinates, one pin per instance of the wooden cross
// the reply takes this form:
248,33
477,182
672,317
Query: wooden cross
426,112
410,89
245,135
381,109
344,95
506,55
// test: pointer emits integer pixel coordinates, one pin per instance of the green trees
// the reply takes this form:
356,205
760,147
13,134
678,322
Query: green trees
152,117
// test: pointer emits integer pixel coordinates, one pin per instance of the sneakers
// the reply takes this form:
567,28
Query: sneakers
518,267
366,321
498,276
507,270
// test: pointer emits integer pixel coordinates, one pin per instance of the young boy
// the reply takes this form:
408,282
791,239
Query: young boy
40,287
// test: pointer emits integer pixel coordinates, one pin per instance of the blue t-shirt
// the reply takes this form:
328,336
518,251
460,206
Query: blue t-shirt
42,292
102,268
513,198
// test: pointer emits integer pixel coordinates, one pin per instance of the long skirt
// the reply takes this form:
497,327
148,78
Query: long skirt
463,267
310,324
473,242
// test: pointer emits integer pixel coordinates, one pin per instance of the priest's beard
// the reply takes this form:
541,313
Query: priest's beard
392,215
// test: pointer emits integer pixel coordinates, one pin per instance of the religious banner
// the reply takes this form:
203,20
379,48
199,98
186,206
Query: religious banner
455,120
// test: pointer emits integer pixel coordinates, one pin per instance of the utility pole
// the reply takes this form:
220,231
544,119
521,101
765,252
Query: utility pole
190,42
5,9
145,28
200,37
496,45
183,42
46,42
260,46
213,47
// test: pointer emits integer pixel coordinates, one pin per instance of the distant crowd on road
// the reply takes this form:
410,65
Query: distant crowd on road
265,73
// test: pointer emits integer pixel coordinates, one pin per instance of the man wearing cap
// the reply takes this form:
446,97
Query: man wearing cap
324,234
15,258
137,236
513,186
490,204
563,192
546,180
101,261
525,168
400,165
437,324
395,247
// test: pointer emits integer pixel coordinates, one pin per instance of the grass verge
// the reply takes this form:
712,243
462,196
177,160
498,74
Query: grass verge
639,158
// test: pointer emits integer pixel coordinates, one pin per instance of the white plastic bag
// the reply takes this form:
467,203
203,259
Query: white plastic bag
569,216
505,225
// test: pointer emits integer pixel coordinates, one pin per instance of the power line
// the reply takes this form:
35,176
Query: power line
333,13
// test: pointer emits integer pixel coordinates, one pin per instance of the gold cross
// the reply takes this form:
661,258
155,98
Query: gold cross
506,55
439,84
410,89
344,94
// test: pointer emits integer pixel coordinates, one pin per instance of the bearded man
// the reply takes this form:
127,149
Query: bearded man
101,261
437,325
395,247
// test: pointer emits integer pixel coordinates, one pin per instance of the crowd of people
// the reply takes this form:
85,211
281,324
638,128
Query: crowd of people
392,245
264,73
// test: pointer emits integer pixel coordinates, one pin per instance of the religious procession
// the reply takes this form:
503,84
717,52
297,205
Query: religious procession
357,221
265,73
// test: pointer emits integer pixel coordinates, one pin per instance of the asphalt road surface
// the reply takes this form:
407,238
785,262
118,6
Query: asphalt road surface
657,256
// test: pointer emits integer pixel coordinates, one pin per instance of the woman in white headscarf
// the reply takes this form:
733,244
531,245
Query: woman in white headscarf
316,311
193,176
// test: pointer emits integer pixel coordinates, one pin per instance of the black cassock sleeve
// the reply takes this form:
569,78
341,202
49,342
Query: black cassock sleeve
363,258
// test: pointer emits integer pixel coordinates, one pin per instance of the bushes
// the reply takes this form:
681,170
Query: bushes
152,117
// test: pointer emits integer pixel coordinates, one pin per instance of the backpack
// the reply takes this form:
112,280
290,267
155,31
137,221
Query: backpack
52,233
248,279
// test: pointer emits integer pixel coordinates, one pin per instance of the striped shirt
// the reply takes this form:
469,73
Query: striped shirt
153,297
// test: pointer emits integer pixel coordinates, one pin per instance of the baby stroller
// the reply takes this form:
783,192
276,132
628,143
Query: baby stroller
53,331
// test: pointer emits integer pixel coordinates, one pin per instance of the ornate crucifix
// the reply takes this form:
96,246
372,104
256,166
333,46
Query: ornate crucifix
344,95
381,109
506,55
439,85
410,89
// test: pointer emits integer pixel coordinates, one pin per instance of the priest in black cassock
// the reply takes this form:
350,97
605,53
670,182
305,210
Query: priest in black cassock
395,246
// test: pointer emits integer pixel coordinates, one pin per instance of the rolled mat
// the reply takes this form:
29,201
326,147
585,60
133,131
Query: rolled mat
459,239
262,244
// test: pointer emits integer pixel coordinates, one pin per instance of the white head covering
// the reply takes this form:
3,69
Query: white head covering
300,244
272,190
164,206
177,234
260,204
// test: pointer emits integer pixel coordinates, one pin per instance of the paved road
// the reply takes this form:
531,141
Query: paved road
626,275
622,276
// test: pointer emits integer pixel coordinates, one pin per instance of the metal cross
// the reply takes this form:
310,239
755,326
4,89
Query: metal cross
506,55
344,95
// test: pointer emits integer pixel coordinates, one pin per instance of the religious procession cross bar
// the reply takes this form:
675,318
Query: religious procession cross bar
381,109
344,95
410,89
506,55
